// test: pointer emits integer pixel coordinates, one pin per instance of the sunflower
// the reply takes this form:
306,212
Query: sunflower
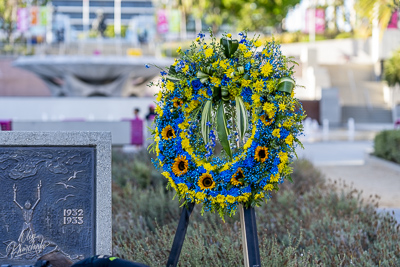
265,121
261,153
180,165
235,180
206,181
168,133
177,102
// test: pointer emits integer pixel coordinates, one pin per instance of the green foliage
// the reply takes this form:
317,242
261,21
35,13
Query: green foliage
109,32
307,223
391,69
387,145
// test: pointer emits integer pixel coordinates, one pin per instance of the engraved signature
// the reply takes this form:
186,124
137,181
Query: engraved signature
29,243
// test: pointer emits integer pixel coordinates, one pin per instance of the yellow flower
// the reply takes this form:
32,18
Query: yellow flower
258,86
168,133
276,133
178,50
254,73
258,43
245,83
289,140
223,64
268,187
247,54
216,81
228,72
166,175
159,111
197,39
170,85
235,180
176,62
282,106
261,153
242,47
270,109
206,181
208,52
226,167
180,165
288,123
200,195
215,64
281,166
260,195
275,179
284,157
256,99
265,53
159,96
183,188
185,69
220,198
230,199
229,35
204,46
266,69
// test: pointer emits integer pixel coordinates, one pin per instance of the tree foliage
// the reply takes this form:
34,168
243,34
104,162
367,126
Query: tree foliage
380,9
391,69
254,15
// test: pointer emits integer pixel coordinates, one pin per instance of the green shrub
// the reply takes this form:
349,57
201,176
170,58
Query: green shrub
307,223
387,145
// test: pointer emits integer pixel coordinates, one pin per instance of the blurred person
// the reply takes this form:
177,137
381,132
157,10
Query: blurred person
57,259
136,114
150,116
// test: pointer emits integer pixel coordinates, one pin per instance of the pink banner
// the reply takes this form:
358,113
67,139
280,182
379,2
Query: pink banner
162,21
393,20
319,20
22,19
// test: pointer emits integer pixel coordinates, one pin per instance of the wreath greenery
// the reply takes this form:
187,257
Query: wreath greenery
240,94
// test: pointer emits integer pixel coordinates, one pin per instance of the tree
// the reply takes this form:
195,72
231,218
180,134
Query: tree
8,16
377,9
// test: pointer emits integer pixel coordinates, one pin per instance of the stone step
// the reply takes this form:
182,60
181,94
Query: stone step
366,115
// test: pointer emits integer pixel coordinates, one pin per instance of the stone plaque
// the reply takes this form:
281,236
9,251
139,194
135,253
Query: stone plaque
55,195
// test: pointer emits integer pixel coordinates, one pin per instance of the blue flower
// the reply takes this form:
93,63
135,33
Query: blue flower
163,73
196,84
147,66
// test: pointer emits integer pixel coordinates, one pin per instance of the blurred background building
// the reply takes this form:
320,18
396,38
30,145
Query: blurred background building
55,54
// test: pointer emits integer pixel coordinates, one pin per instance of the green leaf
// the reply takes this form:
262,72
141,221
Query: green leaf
241,117
286,85
216,93
206,117
222,129
230,46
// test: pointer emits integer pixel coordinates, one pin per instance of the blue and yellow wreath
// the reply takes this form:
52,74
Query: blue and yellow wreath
227,122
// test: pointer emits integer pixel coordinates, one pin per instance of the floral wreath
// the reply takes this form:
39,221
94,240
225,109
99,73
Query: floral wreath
237,93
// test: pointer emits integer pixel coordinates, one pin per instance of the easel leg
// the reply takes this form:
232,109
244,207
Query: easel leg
251,250
180,236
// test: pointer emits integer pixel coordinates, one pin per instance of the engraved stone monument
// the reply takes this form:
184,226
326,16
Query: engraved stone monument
55,195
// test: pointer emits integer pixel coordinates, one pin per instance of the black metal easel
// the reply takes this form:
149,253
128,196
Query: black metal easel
250,238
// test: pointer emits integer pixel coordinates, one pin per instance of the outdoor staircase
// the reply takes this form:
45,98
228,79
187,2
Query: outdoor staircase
361,96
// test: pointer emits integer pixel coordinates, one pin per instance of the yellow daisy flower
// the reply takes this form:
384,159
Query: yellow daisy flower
258,86
276,133
170,85
266,69
258,43
208,52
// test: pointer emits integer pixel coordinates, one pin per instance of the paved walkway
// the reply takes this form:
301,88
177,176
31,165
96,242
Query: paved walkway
344,160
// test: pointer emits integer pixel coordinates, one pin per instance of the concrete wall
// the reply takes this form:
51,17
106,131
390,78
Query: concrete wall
72,108
120,130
